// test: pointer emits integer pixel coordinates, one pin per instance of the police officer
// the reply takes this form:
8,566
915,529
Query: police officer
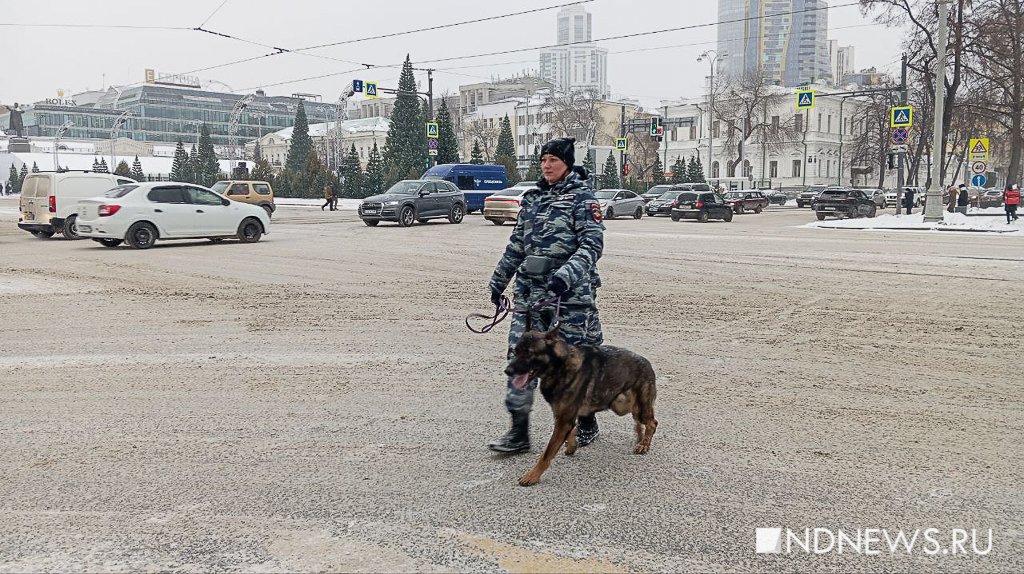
553,251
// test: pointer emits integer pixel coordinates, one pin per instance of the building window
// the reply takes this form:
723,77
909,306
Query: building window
674,134
799,122
693,132
819,122
796,168
716,128
829,130
773,169
775,125
828,168
714,169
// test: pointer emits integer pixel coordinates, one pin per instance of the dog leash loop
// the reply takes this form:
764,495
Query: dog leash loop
504,307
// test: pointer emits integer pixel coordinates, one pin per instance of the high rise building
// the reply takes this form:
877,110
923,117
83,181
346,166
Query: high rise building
786,39
576,63
842,61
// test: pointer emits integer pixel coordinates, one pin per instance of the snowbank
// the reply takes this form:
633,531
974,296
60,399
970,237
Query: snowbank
915,222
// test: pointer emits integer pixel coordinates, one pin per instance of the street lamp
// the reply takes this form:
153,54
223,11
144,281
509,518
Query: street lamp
236,113
118,123
711,100
56,143
933,204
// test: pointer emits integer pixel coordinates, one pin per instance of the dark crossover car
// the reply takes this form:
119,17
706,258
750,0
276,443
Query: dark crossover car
746,201
415,200
806,197
655,192
775,197
844,203
701,206
664,203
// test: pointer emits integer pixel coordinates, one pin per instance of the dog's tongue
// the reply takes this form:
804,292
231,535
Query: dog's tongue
519,381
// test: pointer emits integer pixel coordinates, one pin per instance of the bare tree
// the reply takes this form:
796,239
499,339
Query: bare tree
480,131
741,106
575,114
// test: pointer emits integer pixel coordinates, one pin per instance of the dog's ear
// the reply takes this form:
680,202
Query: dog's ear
552,335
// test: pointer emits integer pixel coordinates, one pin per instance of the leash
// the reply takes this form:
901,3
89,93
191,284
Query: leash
504,307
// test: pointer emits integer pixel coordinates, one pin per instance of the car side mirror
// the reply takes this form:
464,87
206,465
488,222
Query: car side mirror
225,202
424,192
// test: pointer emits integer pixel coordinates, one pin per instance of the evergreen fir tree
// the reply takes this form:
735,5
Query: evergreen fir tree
261,171
696,170
588,164
104,168
610,175
476,157
180,165
353,172
374,183
534,172
208,170
314,177
658,171
505,152
12,180
35,168
191,173
301,145
680,173
405,149
257,154
137,174
95,163
123,169
447,142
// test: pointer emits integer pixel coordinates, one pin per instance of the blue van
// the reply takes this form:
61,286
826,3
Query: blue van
475,181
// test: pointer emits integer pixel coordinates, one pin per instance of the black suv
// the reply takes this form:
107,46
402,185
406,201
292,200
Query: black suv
663,204
413,200
701,206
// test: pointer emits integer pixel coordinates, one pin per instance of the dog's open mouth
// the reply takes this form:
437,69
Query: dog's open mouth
519,381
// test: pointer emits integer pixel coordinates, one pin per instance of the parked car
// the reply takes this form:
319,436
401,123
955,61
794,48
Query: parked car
49,201
844,203
663,204
741,201
701,206
655,192
892,198
807,196
142,213
415,200
616,202
247,191
875,195
475,181
504,205
775,197
991,198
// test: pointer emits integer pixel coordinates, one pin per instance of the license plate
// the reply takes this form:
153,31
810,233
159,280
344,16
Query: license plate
371,212
29,217
85,228
829,209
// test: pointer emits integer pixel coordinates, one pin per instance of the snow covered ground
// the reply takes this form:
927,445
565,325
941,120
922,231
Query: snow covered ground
351,204
915,222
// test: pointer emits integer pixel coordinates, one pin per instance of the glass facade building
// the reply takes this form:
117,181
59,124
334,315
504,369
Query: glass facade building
168,114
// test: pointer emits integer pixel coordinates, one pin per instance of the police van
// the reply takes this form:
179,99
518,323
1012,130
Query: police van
476,181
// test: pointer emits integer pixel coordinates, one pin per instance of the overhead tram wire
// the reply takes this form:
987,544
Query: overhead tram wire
214,13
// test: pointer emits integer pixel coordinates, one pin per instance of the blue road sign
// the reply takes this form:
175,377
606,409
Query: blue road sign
979,180
901,117
357,86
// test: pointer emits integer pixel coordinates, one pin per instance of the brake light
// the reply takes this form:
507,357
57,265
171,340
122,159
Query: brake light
700,204
53,204
515,201
108,210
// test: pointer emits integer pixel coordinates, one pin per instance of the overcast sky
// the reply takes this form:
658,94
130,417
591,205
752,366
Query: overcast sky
39,61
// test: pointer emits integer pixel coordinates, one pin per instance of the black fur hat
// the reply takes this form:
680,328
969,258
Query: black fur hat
562,148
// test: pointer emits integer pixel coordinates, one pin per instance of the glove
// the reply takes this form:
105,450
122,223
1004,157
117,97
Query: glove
495,296
557,286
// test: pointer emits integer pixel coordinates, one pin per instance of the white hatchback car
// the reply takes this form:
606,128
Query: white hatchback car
144,212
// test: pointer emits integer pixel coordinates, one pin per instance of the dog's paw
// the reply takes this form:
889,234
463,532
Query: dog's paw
641,448
570,450
528,479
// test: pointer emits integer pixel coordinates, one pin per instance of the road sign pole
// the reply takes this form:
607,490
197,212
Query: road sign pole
901,156
933,208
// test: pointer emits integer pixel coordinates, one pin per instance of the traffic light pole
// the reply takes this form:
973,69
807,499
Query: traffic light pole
622,153
901,156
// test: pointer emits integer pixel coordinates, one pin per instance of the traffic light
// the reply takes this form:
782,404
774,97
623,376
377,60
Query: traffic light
892,161
625,169
655,124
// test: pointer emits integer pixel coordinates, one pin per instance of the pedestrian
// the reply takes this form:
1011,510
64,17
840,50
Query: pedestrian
552,252
1011,199
963,200
908,200
951,200
329,197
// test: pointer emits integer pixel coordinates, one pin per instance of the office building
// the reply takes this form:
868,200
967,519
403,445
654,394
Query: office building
576,63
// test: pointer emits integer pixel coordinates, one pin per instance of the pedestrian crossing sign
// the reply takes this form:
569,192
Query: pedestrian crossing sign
432,130
979,149
805,99
620,144
370,89
902,117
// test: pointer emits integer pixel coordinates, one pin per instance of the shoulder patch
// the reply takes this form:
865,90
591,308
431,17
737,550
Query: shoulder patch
566,196
595,212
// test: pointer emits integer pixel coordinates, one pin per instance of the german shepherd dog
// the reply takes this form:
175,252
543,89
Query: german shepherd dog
582,380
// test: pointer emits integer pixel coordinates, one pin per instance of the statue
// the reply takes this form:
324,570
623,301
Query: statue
16,124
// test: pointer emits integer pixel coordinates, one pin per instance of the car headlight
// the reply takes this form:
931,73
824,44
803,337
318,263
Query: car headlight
390,203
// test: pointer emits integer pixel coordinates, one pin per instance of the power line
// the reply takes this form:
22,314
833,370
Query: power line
213,13
97,26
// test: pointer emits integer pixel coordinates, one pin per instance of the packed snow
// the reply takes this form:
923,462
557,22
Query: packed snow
915,222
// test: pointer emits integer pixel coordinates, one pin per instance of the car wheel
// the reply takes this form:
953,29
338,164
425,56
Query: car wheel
873,212
42,234
270,212
821,216
407,216
108,242
638,213
758,209
675,217
610,214
728,216
703,217
739,209
70,230
456,214
141,235
249,231
371,222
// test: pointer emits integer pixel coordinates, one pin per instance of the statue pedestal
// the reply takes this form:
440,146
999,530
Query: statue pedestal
18,145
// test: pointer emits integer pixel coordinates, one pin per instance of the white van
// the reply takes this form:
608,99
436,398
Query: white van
48,200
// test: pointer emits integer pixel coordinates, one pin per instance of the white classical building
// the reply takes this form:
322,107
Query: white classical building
330,142
825,147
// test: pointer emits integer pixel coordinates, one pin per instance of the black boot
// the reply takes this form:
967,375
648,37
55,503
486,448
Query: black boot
586,430
517,439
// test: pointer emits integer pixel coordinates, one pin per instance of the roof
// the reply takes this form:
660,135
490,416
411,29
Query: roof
374,124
